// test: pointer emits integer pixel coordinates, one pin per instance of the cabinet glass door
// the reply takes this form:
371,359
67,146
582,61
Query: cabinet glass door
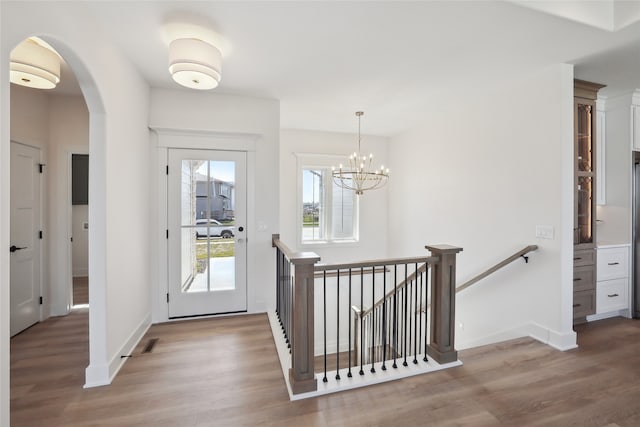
584,138
584,230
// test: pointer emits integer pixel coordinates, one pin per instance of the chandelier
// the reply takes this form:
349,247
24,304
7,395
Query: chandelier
360,175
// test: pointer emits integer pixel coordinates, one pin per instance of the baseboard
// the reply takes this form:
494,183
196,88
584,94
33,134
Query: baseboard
127,348
546,336
103,374
608,315
559,341
505,335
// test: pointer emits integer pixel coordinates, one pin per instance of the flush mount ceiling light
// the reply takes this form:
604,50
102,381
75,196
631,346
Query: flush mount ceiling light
34,66
194,63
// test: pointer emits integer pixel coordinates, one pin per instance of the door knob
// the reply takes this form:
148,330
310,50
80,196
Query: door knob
14,248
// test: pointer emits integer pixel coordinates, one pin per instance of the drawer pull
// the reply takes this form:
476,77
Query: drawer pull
576,305
613,263
577,279
577,259
613,295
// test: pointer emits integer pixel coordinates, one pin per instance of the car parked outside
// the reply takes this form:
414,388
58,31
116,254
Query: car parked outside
215,228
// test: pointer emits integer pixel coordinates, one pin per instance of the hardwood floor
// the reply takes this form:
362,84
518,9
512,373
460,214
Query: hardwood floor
80,290
225,372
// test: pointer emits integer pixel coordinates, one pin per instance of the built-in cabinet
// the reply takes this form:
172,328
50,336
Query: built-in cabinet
584,232
612,287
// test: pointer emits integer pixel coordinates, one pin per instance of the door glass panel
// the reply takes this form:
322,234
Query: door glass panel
207,226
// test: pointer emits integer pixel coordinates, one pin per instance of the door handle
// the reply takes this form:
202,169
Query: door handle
14,248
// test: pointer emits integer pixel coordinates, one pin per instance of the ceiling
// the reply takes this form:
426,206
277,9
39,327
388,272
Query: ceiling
323,60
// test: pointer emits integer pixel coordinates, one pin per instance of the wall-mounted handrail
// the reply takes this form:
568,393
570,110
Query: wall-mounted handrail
498,266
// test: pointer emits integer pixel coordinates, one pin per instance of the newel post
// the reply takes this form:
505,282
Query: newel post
443,304
302,375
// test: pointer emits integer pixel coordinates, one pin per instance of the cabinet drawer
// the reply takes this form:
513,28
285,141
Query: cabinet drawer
585,257
613,263
584,278
584,303
612,295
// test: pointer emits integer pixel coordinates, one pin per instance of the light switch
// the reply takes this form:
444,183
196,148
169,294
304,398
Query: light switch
544,231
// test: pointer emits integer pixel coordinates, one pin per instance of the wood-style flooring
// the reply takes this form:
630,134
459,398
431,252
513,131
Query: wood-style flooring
225,372
80,290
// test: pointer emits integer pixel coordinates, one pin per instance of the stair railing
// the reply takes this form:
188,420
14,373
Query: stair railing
296,295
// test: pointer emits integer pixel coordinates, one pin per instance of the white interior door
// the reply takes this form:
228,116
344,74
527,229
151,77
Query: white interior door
207,232
25,240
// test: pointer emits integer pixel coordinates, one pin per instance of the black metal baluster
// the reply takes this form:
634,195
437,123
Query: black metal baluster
384,317
406,313
395,314
361,320
415,317
338,325
420,318
289,299
278,283
289,302
324,318
426,306
350,323
373,321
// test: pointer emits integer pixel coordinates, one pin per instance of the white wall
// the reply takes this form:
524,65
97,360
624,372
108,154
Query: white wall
373,205
614,217
30,116
118,100
480,173
197,115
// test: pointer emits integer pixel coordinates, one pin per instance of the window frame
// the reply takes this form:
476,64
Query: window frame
323,161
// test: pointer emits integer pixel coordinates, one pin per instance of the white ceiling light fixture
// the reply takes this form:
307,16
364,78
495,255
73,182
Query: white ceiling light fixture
195,64
360,176
34,66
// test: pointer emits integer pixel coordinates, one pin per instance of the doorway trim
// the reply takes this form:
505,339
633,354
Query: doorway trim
162,140
69,205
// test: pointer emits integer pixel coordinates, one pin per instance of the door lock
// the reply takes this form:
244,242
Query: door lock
14,248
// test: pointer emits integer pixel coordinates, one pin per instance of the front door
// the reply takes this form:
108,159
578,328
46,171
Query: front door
25,241
207,235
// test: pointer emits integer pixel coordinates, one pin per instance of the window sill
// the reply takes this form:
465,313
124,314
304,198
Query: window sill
329,244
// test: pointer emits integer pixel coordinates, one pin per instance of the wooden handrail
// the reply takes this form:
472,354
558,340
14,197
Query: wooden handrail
295,257
498,266
376,263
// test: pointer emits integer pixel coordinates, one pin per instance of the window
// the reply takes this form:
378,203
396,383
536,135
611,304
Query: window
329,213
